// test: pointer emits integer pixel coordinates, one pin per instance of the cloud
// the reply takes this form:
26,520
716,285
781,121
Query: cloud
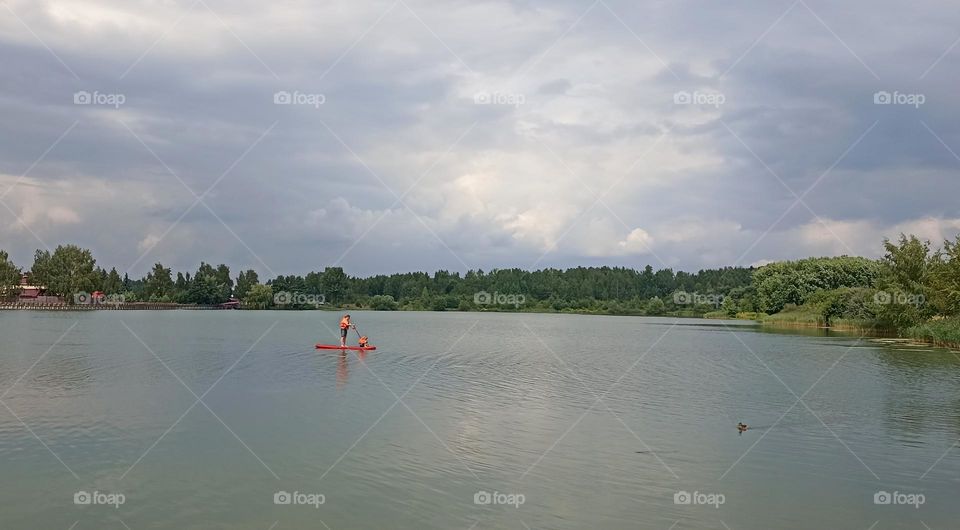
637,241
582,156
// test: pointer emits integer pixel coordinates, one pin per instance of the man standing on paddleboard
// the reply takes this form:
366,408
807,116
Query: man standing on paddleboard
345,326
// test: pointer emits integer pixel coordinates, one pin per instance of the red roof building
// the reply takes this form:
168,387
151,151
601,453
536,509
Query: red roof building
34,293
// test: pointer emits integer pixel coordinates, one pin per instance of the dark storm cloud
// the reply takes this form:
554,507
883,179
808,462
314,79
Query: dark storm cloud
496,123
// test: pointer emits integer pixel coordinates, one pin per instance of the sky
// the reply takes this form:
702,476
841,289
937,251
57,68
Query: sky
401,135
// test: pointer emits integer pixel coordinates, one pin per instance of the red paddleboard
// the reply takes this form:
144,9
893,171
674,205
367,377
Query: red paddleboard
338,347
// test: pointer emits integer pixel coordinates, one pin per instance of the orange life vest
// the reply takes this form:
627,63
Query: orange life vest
344,323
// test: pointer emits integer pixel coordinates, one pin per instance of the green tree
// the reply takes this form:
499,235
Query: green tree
209,286
729,306
130,296
907,262
245,281
945,279
259,297
204,291
224,282
848,303
9,276
69,270
334,284
113,284
383,303
159,284
791,282
655,306
907,282
181,286
101,280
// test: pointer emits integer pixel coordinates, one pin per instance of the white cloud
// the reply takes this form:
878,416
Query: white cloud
863,237
598,116
638,241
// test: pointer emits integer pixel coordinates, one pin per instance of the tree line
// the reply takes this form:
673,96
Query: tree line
911,284
69,270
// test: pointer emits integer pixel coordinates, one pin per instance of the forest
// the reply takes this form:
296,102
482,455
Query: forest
913,290
70,270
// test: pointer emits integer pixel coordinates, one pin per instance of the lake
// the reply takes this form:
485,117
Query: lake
231,419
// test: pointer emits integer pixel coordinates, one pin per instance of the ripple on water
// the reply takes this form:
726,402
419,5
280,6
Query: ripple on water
513,400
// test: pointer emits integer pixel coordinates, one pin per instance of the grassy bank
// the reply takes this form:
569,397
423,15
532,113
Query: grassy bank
796,316
744,315
942,332
812,317
865,327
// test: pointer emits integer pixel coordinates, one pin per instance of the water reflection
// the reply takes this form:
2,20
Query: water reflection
55,371
909,415
100,400
343,366
807,331
67,374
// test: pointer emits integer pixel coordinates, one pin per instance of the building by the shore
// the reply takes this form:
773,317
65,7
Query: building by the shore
34,294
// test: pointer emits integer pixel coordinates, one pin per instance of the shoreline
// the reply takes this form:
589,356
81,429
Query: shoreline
865,330
873,332
150,306
133,306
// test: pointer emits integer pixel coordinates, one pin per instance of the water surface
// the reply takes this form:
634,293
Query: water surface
198,418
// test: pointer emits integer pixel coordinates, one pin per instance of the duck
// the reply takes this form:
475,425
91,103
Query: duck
742,427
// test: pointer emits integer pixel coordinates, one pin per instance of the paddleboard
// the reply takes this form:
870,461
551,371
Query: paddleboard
338,347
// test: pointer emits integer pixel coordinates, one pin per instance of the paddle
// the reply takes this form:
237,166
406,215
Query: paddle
357,330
